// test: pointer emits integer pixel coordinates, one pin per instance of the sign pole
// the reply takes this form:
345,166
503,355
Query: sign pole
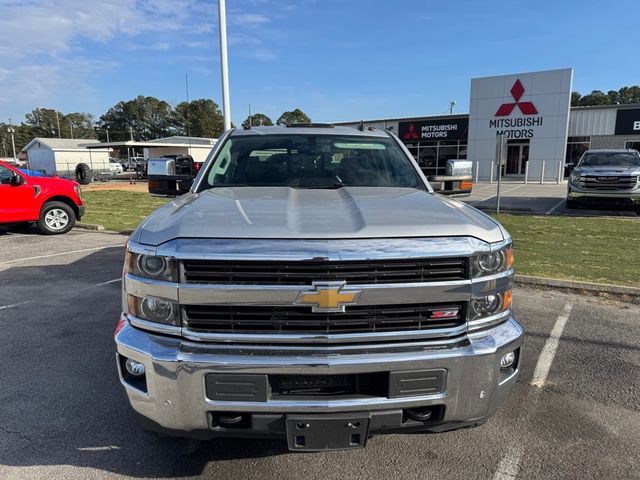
499,158
224,66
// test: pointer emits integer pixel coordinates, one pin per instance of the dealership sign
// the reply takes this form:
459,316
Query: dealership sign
516,127
531,108
436,129
628,121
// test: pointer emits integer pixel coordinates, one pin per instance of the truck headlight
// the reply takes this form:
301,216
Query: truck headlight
489,263
154,310
574,178
151,266
489,309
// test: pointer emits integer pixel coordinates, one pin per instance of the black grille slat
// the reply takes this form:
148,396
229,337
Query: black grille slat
356,319
306,272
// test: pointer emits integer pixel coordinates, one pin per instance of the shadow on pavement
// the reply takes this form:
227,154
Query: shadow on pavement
61,402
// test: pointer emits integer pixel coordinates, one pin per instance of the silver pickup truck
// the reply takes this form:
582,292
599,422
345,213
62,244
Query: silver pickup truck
312,287
605,176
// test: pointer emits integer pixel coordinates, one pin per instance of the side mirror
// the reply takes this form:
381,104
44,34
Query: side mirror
17,180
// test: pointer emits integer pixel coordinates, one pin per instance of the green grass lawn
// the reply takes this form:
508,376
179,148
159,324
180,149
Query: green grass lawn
119,210
603,250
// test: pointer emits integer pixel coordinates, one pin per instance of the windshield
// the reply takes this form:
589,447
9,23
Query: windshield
311,161
610,159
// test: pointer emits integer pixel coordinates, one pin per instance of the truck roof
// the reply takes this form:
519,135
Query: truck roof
310,129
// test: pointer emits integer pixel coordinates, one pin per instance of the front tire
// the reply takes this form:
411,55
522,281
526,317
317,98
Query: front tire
56,218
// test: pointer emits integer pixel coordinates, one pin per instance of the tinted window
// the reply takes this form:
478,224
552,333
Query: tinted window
610,159
5,174
311,161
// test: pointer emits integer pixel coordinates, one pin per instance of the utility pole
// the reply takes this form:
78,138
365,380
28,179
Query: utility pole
107,129
11,131
222,20
250,122
131,133
58,122
71,128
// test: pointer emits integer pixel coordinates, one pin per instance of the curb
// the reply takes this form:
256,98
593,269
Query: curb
577,285
89,226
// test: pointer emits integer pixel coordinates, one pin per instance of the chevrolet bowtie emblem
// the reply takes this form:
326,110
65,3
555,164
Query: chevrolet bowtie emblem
328,297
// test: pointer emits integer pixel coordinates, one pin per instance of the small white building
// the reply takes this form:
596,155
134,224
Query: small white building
61,156
197,147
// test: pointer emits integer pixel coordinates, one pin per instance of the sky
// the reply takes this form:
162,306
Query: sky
337,60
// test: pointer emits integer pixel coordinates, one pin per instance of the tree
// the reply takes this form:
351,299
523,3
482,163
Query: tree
79,125
258,120
575,99
596,97
627,95
148,117
199,118
44,122
295,116
22,135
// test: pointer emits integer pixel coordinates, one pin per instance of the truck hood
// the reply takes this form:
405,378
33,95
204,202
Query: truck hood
283,213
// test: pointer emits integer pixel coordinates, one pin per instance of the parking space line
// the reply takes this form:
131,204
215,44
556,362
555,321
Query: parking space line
6,307
509,465
100,284
61,253
502,192
553,209
549,350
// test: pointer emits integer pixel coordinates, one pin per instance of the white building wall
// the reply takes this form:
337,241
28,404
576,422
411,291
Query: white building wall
66,161
41,158
595,121
198,152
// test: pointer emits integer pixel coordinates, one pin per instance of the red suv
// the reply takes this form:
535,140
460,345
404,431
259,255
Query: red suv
54,203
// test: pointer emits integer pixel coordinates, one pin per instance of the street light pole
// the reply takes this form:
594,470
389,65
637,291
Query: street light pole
222,20
12,130
58,122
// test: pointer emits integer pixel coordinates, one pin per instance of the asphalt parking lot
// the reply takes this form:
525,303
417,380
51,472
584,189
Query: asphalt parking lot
534,198
63,413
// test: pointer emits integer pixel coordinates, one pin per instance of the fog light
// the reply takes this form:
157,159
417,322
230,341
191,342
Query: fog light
507,360
133,368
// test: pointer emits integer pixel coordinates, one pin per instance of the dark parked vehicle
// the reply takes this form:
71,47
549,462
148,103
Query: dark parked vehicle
605,177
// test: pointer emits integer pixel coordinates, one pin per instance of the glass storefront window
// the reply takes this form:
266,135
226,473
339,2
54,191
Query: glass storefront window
432,156
428,157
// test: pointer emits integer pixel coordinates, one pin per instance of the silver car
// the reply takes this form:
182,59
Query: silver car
606,177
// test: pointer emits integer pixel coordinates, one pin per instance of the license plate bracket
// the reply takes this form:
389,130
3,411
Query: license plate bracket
327,432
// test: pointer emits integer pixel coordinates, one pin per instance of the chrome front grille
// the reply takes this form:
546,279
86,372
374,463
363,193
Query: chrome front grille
608,182
301,320
306,272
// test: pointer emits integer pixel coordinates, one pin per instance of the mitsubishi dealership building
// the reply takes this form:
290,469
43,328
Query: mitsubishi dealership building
532,111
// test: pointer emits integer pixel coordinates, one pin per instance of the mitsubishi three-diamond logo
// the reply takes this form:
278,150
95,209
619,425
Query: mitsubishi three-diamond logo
527,108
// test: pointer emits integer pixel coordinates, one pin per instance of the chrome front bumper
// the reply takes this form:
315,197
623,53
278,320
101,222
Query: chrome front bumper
576,193
176,398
